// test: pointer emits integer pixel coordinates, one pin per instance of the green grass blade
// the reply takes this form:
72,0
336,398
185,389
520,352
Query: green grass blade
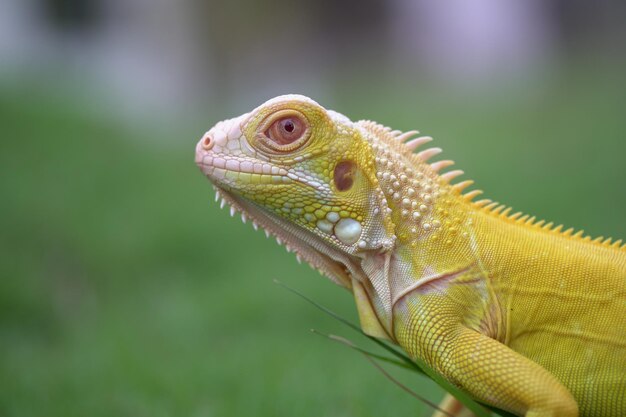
382,358
405,358
414,364
370,358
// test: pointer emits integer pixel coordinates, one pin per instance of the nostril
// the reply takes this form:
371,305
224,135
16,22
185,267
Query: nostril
207,142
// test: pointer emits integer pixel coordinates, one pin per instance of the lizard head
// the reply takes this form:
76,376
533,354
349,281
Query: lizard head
306,175
350,198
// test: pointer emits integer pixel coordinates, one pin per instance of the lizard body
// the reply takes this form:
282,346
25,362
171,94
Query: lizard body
522,315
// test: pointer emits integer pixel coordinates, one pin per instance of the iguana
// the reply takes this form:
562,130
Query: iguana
522,315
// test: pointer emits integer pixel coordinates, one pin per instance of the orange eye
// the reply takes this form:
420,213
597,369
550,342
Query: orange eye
287,130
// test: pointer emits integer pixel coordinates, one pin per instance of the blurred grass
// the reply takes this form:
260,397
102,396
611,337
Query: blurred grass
125,291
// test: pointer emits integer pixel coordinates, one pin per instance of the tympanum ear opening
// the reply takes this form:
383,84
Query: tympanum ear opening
344,175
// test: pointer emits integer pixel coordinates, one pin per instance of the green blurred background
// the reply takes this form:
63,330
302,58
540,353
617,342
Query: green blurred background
125,291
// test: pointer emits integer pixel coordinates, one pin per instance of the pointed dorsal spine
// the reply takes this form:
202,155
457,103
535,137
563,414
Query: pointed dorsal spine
411,143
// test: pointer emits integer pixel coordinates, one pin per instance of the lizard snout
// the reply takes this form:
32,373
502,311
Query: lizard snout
204,146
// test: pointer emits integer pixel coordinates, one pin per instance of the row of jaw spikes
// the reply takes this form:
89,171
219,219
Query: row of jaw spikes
225,200
234,209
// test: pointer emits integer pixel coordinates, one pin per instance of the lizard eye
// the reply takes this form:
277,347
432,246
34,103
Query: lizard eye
282,132
286,130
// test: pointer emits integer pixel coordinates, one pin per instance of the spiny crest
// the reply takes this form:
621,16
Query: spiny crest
502,211
409,142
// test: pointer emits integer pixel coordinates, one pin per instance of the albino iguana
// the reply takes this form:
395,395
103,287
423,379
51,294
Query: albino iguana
522,315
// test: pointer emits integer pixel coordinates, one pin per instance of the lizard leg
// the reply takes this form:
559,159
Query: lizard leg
500,376
452,407
497,375
487,369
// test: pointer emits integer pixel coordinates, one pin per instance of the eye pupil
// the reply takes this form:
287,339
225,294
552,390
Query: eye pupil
289,126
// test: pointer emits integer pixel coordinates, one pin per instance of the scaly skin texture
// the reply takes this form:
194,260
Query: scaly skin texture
520,314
